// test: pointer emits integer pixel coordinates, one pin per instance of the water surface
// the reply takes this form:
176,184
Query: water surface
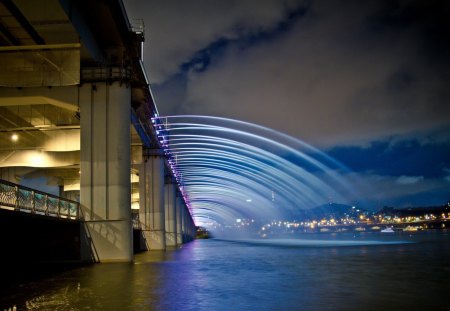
367,271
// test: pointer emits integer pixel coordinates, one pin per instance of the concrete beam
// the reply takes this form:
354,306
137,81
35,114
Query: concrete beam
66,97
37,158
55,140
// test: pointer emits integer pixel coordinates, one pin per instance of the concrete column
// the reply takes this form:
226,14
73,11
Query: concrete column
151,199
183,222
193,228
187,227
105,193
170,213
179,211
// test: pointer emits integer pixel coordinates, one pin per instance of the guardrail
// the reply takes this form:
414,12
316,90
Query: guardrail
20,198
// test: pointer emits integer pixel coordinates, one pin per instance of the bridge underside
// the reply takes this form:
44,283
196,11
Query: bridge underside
75,120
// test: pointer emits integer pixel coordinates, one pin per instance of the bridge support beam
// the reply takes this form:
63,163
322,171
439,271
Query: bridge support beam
186,224
179,217
105,172
183,222
170,213
151,199
191,229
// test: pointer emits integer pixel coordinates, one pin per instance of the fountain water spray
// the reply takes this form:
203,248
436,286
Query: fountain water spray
230,170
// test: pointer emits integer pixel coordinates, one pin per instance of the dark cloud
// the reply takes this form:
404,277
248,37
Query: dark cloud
326,85
177,30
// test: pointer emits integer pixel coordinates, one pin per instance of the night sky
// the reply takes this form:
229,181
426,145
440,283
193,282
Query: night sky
365,81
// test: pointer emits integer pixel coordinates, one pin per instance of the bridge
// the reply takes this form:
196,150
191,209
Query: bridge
77,116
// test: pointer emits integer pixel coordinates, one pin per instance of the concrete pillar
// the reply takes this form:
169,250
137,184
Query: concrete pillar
151,199
193,228
183,222
188,225
179,209
170,212
105,194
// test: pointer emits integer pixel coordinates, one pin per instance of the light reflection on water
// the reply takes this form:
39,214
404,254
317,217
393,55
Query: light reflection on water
223,275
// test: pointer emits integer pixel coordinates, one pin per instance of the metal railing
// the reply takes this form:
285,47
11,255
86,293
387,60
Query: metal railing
20,198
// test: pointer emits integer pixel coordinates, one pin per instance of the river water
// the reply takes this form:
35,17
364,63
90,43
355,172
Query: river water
365,271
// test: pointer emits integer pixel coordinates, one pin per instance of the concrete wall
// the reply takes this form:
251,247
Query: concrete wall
30,238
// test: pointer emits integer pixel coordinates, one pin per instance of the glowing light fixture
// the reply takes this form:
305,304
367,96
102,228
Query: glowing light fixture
135,205
14,137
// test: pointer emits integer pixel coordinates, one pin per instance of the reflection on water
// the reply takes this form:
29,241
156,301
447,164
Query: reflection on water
224,275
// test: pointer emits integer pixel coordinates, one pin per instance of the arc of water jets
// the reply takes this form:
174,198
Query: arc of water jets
231,169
